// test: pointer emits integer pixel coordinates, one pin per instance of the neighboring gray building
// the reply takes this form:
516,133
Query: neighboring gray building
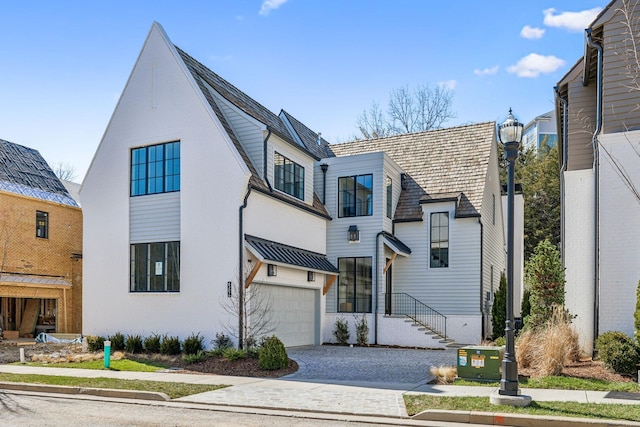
541,132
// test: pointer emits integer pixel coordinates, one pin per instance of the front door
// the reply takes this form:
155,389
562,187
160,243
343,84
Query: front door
388,290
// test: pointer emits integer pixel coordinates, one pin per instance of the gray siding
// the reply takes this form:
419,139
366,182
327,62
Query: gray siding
452,290
580,125
248,132
620,92
154,218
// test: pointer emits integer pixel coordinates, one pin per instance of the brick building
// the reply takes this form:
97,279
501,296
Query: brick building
40,247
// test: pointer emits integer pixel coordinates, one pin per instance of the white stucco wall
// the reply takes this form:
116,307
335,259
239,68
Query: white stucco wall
161,104
579,242
619,232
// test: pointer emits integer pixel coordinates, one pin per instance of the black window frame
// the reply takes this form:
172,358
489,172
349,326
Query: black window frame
439,240
288,176
143,261
155,169
389,185
42,224
355,198
355,297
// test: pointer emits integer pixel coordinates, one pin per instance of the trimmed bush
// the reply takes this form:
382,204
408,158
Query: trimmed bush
193,344
194,358
133,344
273,355
222,341
152,344
362,330
117,341
341,331
95,343
232,354
618,352
170,345
499,309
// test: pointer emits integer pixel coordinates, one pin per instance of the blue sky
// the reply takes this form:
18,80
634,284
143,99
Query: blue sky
65,63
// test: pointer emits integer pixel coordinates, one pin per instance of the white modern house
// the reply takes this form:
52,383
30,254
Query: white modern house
599,141
541,132
198,194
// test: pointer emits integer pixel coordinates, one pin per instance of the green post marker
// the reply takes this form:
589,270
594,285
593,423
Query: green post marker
107,354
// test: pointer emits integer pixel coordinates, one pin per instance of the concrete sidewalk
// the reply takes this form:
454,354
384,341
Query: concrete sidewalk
301,395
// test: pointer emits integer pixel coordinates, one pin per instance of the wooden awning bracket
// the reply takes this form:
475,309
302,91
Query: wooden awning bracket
330,281
386,267
252,274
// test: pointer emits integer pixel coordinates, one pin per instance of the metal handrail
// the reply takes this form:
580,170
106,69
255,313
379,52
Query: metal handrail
406,305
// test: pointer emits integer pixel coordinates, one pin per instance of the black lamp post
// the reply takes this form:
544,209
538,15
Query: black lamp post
510,134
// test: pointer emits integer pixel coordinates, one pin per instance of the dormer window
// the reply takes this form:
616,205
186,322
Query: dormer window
288,176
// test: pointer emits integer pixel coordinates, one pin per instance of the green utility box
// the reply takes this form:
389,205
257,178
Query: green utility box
480,363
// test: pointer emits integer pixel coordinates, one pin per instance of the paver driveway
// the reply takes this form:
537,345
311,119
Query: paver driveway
362,365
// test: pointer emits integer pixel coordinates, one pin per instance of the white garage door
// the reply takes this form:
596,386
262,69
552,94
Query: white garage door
294,313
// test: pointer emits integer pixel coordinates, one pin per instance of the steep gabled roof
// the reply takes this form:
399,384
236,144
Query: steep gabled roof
308,137
440,165
203,76
24,171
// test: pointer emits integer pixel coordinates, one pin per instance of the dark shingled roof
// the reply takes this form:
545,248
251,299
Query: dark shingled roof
443,164
202,75
308,137
24,171
285,254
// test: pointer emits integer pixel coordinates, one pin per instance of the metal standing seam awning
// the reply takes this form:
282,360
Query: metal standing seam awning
290,256
396,245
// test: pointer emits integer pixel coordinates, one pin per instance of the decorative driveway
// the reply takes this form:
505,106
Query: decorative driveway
395,368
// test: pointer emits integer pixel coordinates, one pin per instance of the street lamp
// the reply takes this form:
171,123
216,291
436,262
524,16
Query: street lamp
510,134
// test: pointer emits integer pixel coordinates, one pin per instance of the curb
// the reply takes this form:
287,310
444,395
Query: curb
515,420
101,392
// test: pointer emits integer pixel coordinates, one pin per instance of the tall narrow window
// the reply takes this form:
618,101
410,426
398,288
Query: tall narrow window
494,210
439,240
354,285
155,267
389,198
288,176
42,224
355,195
155,169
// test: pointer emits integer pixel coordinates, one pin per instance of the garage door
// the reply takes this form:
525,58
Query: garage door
294,313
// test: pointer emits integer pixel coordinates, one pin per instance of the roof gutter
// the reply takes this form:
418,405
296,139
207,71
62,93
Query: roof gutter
563,166
596,134
264,156
241,269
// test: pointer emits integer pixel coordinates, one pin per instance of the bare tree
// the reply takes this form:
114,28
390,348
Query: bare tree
257,313
64,171
421,109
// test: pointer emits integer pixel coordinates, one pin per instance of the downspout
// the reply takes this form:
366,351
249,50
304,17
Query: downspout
240,269
324,168
375,311
264,156
596,161
482,305
563,166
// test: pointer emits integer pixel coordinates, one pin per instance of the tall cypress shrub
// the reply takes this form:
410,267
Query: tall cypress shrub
544,276
499,309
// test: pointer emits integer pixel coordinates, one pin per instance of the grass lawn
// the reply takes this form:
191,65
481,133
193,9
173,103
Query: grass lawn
173,390
563,383
419,403
114,365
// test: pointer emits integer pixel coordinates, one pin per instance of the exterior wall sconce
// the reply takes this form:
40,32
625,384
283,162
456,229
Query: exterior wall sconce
354,234
272,270
229,289
311,276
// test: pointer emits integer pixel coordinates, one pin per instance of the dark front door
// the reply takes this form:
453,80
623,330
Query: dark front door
388,290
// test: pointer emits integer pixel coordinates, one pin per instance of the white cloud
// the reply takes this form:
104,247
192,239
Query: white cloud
572,21
532,32
486,71
448,84
269,5
534,64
